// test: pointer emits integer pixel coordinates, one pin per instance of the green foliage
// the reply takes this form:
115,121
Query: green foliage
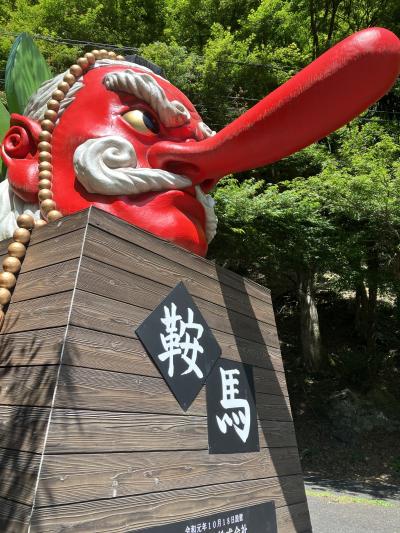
26,70
4,125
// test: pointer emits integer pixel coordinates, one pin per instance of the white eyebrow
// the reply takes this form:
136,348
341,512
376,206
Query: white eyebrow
172,113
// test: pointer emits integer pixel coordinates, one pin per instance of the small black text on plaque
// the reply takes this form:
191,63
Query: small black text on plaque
231,409
181,344
259,518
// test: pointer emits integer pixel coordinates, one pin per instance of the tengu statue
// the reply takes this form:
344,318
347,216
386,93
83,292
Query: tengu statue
115,134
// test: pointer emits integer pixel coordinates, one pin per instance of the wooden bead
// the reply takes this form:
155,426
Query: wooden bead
45,156
16,249
83,63
47,125
45,136
112,55
69,78
53,104
45,194
58,95
45,165
44,184
90,57
51,115
76,70
54,215
7,280
5,296
22,235
25,221
45,175
63,86
11,264
44,146
47,205
40,223
96,53
120,58
103,53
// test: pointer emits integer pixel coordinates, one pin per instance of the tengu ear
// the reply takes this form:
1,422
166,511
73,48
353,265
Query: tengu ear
19,151
21,140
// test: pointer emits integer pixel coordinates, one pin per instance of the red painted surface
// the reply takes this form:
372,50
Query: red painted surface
324,96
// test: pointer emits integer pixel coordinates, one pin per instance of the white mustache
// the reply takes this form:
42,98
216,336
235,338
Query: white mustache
107,165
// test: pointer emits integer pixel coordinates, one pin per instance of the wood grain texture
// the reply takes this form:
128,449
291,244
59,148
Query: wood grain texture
84,431
86,388
27,385
49,312
18,474
23,428
114,283
46,281
31,347
60,227
14,517
122,254
296,514
91,311
52,251
67,479
146,240
105,351
135,512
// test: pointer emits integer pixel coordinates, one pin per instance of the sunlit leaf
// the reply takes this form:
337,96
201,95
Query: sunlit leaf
26,70
4,125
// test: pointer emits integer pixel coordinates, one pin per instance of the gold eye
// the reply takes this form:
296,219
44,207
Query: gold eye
142,121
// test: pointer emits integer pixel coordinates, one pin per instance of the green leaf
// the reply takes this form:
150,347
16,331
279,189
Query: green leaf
4,125
26,70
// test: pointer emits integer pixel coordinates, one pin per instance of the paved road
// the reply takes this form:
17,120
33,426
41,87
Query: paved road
340,507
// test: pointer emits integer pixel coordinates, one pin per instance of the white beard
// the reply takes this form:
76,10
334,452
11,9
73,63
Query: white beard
11,206
107,165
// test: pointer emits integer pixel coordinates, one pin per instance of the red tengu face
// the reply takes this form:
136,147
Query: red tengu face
110,174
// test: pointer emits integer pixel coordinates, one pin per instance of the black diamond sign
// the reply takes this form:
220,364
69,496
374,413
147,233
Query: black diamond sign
181,344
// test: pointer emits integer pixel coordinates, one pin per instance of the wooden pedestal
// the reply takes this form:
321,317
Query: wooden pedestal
91,438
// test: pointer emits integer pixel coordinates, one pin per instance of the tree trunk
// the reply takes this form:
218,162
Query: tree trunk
309,321
361,312
372,277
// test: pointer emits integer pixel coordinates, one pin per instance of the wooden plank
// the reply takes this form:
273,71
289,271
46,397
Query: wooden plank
14,517
91,311
122,254
60,227
120,515
127,287
84,431
294,518
27,385
134,360
40,347
46,281
55,250
96,349
85,388
67,479
3,248
23,428
49,312
18,474
122,229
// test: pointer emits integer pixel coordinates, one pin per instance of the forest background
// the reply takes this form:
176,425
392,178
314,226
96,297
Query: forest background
320,228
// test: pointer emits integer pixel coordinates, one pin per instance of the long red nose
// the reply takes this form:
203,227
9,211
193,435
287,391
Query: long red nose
324,96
